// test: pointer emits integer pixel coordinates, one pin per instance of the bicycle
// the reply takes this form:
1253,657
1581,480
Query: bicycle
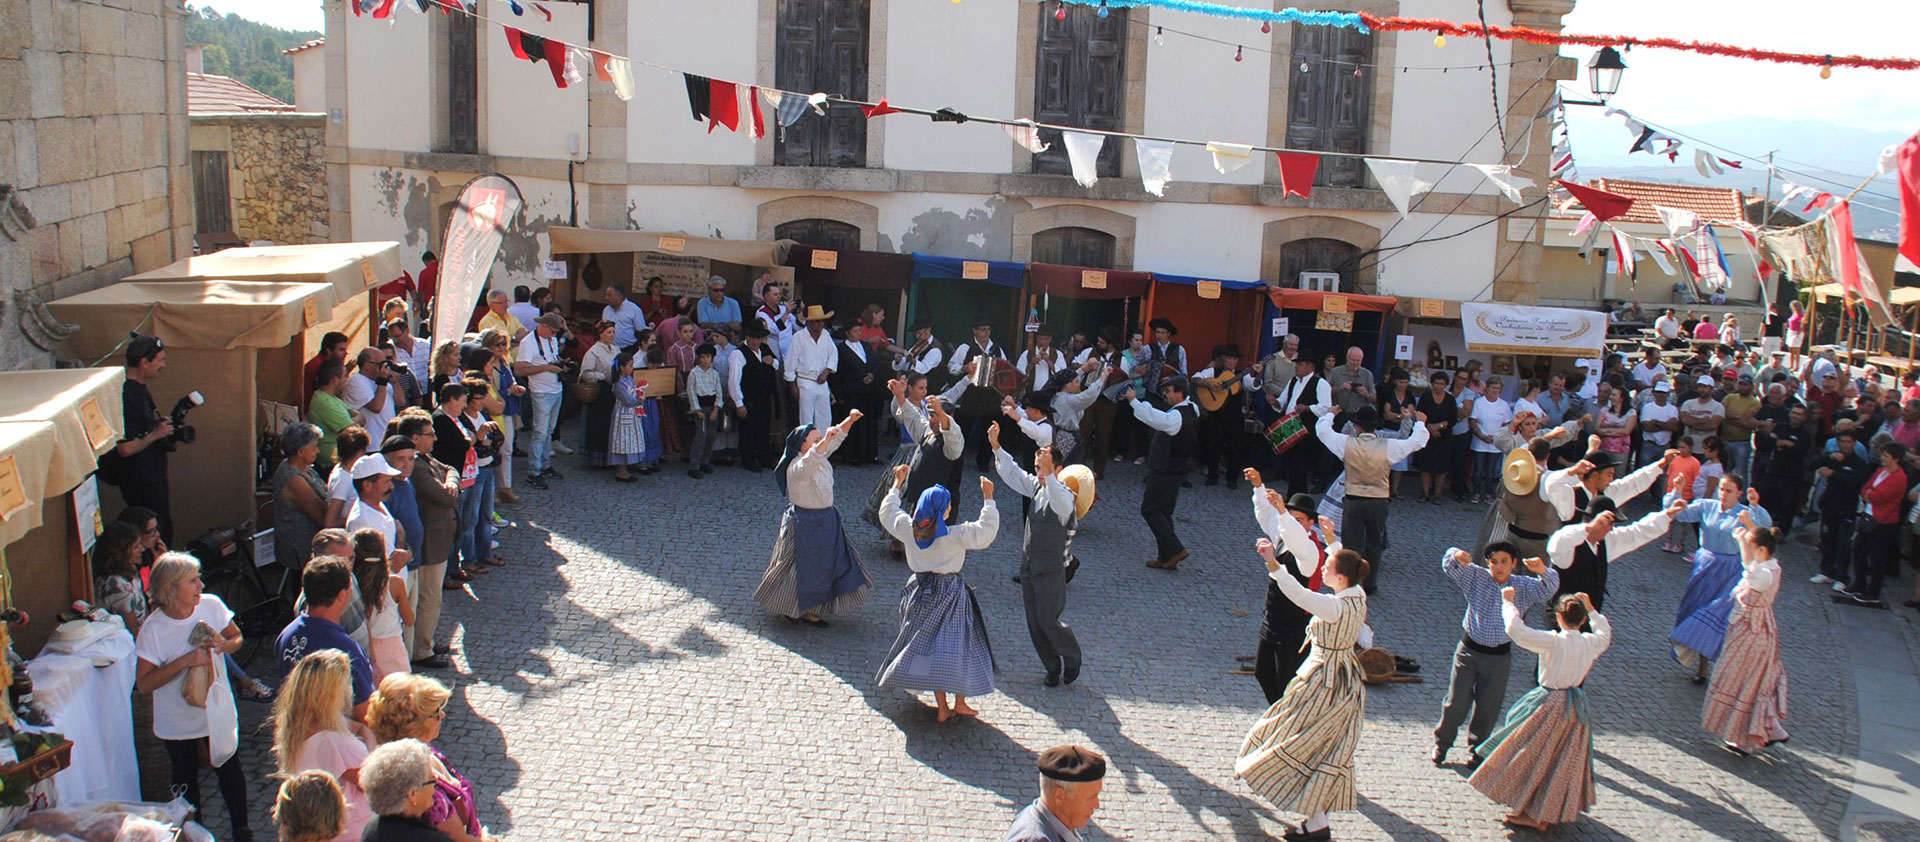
227,570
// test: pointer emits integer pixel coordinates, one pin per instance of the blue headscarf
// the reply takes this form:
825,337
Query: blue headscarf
930,516
795,440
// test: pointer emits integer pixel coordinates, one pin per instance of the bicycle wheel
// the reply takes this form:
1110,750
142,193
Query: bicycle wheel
259,616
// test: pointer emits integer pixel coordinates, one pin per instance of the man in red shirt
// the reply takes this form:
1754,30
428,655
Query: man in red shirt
333,346
429,281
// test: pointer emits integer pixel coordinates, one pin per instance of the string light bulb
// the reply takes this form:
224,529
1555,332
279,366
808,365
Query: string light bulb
1356,73
1303,67
1103,10
1826,70
1440,40
1060,13
1266,27
1160,35
1236,52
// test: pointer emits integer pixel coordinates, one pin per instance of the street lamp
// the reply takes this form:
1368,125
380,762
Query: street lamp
1603,72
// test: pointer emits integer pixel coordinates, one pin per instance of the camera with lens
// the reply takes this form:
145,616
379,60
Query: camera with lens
183,433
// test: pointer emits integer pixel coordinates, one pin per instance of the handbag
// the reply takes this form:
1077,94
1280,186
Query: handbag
587,391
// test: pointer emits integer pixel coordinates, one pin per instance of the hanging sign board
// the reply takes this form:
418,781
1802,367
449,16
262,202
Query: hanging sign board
554,270
826,259
13,493
1517,329
1093,279
1280,326
366,274
86,513
99,432
1333,304
673,244
1403,347
1209,289
973,270
1432,308
681,275
311,309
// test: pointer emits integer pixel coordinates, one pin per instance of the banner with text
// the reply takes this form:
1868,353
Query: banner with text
481,216
1546,331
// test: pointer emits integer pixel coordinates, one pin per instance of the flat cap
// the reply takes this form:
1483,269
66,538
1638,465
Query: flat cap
1072,763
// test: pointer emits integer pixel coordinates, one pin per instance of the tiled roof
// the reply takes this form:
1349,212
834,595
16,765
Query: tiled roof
1718,204
208,93
317,42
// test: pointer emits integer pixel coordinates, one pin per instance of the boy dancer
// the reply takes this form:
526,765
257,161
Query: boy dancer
1482,660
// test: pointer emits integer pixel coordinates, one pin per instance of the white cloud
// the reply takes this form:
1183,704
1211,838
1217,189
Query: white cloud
285,14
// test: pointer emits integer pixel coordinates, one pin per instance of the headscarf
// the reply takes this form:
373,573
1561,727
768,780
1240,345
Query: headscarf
930,516
795,440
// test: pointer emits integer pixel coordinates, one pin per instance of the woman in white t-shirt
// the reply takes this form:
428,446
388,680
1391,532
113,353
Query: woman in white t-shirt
166,654
311,731
1490,415
350,445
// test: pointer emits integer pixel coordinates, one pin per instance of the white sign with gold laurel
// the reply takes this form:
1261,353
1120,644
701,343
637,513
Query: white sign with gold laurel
1547,331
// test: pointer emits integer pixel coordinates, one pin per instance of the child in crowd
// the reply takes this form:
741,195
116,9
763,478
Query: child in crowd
703,408
627,437
383,597
1680,477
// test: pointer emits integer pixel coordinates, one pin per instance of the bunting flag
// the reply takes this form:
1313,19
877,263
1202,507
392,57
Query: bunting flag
1703,162
1679,222
383,8
1296,173
723,100
544,11
527,46
1026,135
1623,255
1502,177
1907,161
751,101
1587,220
1734,164
1761,269
617,70
1228,157
577,57
1602,204
1709,262
879,109
1083,154
787,108
699,96
819,103
1851,266
1400,181
1819,200
1156,162
1660,257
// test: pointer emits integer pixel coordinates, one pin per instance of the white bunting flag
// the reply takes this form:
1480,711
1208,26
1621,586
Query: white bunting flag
1156,160
1228,157
819,103
1623,254
1679,222
1083,154
1502,177
1026,135
1659,256
1705,163
577,57
1399,180
619,71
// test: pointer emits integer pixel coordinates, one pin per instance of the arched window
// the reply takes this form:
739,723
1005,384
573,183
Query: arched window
1074,247
1320,255
820,233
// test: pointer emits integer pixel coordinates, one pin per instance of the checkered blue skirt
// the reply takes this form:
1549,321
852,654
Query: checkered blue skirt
942,645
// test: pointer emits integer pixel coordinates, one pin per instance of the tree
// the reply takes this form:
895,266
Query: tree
214,60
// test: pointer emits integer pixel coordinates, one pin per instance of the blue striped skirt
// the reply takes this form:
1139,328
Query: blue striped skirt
942,645
813,567
1701,624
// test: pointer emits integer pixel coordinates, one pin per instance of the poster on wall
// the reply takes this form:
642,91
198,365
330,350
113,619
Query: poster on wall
1336,322
486,208
681,275
1403,347
86,512
1518,329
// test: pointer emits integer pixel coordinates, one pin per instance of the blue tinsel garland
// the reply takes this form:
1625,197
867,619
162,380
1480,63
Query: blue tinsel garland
1288,15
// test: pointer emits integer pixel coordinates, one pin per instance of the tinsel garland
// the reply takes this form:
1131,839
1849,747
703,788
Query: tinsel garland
1538,36
1350,20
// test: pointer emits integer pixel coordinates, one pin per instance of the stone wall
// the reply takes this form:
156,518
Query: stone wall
275,174
93,136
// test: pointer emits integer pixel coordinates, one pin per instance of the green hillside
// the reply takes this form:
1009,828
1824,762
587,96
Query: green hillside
246,50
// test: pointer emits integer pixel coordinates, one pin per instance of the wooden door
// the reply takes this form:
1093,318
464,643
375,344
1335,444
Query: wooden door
212,205
1080,79
1328,107
820,233
821,45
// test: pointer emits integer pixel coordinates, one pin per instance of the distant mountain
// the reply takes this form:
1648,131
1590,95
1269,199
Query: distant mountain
246,50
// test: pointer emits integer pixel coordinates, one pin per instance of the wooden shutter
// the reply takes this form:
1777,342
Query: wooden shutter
212,208
1080,79
820,233
1329,108
463,85
1074,247
1319,255
821,45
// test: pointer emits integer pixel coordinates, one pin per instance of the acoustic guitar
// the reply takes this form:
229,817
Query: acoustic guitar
1212,392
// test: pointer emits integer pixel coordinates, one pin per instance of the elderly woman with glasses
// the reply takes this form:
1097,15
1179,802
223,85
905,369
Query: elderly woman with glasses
299,495
400,784
410,707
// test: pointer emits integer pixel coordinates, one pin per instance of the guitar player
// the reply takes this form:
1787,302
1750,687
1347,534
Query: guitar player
1221,390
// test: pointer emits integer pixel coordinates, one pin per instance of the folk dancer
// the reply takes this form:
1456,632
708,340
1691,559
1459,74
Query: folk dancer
1540,762
811,358
942,645
1224,430
1299,754
1060,500
856,386
1070,396
977,404
1102,420
814,568
755,386
1583,550
1525,520
935,450
1367,458
1700,624
1175,430
1283,626
1747,701
1485,655
1593,476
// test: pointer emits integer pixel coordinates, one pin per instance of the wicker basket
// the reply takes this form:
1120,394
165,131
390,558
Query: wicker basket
42,766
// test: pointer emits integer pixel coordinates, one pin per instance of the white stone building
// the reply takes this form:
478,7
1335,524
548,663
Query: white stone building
421,104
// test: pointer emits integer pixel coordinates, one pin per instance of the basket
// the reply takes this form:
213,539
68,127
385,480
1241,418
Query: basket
41,766
1376,665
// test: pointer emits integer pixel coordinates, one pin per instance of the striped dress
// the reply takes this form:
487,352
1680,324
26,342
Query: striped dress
1747,701
1299,754
1539,762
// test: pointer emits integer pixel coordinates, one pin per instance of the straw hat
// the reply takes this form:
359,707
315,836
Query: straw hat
1079,478
817,314
1520,474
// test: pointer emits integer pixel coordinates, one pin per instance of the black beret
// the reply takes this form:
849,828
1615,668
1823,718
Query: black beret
1602,461
1073,764
756,328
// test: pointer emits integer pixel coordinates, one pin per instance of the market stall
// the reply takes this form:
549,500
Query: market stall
1328,323
238,344
1859,336
1213,312
596,257
1069,298
954,292
353,270
845,281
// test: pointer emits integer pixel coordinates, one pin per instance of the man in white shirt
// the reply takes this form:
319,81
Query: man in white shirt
1584,550
1659,420
1368,460
627,317
728,360
1491,413
1668,328
1176,431
925,355
373,482
1040,363
539,363
1702,415
1306,390
523,309
777,317
1650,367
977,404
812,357
369,392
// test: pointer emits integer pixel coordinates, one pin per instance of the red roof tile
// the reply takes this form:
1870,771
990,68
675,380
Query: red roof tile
1718,204
208,93
317,42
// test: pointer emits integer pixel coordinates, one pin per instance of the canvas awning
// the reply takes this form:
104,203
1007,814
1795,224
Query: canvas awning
1192,281
1900,297
999,272
26,457
218,315
852,268
1306,299
350,268
82,405
562,240
1082,282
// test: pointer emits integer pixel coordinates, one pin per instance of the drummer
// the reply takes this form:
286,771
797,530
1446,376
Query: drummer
1307,389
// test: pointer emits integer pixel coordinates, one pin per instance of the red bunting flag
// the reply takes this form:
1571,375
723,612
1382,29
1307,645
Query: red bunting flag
878,109
1600,203
759,122
1296,173
514,43
723,106
1908,166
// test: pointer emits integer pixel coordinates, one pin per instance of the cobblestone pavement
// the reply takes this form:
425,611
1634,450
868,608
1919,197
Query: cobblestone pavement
616,680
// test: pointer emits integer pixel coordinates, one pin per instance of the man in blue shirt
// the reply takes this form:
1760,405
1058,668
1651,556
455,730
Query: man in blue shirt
328,585
1482,660
401,503
628,320
717,308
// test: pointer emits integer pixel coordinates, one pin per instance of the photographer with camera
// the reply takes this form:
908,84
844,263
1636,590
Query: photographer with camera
540,362
370,389
138,465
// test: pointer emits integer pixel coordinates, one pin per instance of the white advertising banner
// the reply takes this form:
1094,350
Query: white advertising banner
1546,331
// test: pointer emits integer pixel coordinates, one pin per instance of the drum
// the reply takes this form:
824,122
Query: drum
1283,434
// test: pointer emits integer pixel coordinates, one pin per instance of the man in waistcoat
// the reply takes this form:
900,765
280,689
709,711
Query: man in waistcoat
1176,430
1584,550
1300,466
978,405
1283,628
1368,459
1045,556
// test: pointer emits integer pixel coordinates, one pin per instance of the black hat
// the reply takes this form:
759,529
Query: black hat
1230,349
1601,504
1043,329
982,321
922,323
1166,323
756,328
395,444
1039,399
1602,461
1304,504
1177,383
1367,419
1073,764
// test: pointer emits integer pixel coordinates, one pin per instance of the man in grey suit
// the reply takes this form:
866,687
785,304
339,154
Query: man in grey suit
1070,782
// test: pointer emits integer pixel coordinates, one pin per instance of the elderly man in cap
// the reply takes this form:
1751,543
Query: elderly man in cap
1582,551
1070,783
540,363
1368,459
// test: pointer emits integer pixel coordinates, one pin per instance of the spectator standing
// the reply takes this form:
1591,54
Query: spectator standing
139,462
540,364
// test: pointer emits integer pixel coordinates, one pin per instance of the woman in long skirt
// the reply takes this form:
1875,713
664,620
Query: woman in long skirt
814,568
1540,761
626,440
596,418
907,402
1299,754
1701,622
1747,701
942,645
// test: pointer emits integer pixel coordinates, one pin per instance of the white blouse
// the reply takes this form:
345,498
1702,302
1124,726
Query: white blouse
1761,576
810,475
948,553
1287,533
597,365
1565,656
